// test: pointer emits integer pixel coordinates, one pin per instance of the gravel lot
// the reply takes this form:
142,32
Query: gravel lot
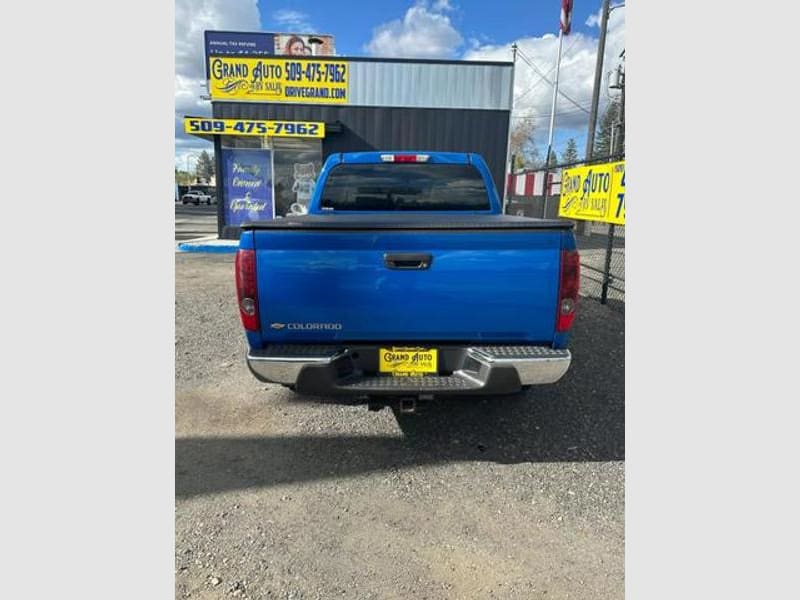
281,496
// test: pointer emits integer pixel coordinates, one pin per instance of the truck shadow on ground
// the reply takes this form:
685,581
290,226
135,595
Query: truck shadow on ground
579,419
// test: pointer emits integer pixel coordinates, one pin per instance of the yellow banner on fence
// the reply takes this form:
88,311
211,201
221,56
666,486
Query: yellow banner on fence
285,79
594,193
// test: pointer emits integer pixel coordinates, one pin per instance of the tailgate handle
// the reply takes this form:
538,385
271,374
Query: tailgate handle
407,261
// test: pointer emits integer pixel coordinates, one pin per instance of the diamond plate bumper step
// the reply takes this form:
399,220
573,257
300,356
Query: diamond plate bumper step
425,383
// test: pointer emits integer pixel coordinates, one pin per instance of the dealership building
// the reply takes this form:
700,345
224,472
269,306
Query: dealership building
276,116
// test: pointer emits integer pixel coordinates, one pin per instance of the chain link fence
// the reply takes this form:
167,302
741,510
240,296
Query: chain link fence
602,250
601,245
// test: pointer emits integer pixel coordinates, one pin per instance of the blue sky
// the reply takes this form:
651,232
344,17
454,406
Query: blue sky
480,20
465,29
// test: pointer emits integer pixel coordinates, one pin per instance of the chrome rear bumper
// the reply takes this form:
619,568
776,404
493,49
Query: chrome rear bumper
352,369
283,363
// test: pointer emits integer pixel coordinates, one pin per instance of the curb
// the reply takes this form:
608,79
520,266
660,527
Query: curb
210,244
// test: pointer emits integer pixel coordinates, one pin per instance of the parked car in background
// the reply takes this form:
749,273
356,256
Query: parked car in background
196,197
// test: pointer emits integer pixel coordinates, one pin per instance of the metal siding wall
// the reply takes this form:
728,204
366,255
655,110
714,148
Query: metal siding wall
386,128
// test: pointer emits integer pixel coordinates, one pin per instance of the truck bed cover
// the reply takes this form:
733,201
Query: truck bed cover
415,221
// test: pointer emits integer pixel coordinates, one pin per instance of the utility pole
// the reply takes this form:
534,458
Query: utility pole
618,84
621,118
598,75
615,140
510,169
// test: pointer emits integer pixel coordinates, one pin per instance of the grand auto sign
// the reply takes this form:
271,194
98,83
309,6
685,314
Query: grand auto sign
285,79
594,193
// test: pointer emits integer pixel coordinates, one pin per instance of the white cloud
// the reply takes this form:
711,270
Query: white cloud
293,21
594,19
192,17
442,6
533,96
421,33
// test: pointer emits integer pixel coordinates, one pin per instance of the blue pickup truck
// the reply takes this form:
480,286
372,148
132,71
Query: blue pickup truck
405,281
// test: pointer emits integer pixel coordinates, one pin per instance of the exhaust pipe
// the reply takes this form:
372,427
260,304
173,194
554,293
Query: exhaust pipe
408,405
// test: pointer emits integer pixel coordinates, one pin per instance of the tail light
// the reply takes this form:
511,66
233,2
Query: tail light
247,289
568,289
405,158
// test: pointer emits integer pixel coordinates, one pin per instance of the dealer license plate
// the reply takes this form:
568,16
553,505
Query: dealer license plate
401,361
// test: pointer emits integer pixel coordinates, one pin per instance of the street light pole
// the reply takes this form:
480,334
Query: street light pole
188,156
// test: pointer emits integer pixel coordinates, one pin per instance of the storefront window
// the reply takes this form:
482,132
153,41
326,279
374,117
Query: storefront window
297,163
244,141
294,167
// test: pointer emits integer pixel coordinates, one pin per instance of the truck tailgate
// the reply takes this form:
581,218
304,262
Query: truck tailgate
401,279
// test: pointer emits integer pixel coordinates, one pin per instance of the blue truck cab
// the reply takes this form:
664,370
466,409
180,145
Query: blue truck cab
406,280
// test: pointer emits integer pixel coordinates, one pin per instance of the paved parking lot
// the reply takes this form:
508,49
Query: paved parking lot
281,496
194,221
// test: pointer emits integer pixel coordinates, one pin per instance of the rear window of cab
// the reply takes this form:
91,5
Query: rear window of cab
404,187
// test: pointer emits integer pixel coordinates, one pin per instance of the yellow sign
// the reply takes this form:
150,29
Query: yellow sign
408,361
594,193
206,126
285,79
616,213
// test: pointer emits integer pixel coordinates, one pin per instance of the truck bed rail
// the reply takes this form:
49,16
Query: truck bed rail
416,221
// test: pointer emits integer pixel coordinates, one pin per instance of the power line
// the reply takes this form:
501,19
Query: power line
538,81
561,113
573,111
543,76
535,68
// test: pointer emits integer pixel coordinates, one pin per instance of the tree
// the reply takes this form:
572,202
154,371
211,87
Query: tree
570,155
521,134
182,177
205,167
522,144
602,142
534,157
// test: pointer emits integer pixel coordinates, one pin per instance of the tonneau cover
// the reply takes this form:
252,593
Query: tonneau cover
395,221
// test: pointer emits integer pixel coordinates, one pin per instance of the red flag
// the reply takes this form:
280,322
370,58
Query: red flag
566,16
